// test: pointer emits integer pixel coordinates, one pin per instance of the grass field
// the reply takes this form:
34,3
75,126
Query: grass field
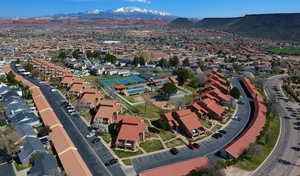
152,146
127,162
166,135
285,51
150,111
124,154
175,143
106,137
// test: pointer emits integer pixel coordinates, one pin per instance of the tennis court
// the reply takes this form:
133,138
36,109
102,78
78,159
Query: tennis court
129,80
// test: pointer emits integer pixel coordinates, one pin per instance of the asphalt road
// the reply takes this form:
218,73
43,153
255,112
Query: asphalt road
284,161
94,155
208,146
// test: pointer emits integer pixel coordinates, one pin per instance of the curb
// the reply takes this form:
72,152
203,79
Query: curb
276,144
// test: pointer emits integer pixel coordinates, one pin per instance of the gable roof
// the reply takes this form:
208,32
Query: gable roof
45,165
177,169
30,146
25,131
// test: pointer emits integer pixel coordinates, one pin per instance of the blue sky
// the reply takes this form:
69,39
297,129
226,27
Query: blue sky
185,8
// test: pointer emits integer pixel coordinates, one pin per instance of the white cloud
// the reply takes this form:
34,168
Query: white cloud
141,1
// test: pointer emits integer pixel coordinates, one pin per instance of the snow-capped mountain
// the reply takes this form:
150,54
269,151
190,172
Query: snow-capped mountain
121,13
140,10
94,12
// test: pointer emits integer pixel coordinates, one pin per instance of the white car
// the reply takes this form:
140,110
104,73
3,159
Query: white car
91,134
70,110
53,90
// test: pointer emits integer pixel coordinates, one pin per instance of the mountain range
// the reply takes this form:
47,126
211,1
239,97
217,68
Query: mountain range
121,13
281,26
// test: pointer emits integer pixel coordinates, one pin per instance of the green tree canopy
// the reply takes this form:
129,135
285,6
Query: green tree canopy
139,60
11,78
186,62
89,53
235,93
174,61
110,58
167,90
182,75
163,63
62,54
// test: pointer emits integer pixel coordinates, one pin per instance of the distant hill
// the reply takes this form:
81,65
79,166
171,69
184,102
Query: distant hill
267,26
182,22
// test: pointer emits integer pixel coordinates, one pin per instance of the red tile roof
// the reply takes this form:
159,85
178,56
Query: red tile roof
131,127
177,169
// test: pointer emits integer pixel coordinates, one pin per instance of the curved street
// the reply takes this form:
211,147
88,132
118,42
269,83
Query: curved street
284,160
208,146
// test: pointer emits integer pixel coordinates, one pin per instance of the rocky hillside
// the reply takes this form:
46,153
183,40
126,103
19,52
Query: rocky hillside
266,26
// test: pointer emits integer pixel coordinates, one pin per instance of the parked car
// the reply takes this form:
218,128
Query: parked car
91,134
195,145
65,103
222,131
70,110
174,151
111,162
190,146
96,140
217,135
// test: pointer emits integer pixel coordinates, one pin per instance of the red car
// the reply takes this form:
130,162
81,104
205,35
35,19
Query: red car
190,146
195,145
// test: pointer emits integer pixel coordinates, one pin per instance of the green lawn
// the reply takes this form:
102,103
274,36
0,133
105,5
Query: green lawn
152,146
166,135
216,128
150,111
20,167
175,143
197,138
106,137
266,147
206,123
287,51
124,154
127,162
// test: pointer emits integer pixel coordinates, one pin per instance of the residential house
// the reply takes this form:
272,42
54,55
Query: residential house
215,110
189,123
25,130
45,165
30,147
89,98
106,114
131,131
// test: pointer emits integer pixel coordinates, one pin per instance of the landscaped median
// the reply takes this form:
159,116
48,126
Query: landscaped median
260,150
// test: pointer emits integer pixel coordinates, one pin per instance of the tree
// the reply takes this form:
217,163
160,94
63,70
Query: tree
167,90
211,170
195,82
182,75
11,78
186,62
35,157
254,149
9,140
202,65
89,53
235,93
18,61
110,58
163,63
174,61
29,67
139,60
62,54
76,54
